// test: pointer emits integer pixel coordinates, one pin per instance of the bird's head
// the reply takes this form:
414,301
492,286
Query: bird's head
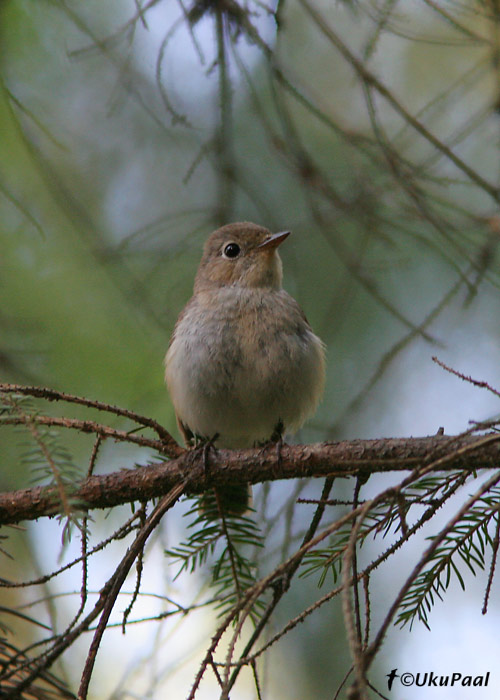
241,254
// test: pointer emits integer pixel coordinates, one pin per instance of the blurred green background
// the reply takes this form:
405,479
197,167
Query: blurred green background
130,130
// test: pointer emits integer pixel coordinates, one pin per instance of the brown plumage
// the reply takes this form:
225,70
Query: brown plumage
243,362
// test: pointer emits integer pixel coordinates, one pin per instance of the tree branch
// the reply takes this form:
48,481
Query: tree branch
255,466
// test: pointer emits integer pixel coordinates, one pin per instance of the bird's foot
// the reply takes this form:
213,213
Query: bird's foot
276,442
204,445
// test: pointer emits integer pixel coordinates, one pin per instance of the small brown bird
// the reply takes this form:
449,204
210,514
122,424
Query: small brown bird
243,365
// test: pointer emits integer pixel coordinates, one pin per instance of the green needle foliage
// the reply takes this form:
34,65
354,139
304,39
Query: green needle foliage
225,542
468,542
325,560
42,452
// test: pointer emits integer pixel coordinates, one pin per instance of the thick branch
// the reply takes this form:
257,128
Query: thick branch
255,466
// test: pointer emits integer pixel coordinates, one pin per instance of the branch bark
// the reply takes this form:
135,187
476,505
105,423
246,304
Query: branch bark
340,459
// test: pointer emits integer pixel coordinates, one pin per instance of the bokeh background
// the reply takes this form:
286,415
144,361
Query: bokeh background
129,131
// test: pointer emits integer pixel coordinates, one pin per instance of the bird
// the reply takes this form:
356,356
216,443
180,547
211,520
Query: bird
243,366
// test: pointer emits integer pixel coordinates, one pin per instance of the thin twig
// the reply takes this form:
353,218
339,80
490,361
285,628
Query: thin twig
350,614
436,542
53,395
475,382
90,426
491,572
370,79
282,585
112,587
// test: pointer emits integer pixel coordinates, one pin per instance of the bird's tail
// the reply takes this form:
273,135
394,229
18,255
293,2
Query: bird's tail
231,500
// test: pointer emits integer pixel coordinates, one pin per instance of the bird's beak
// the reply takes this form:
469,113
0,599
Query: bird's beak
274,240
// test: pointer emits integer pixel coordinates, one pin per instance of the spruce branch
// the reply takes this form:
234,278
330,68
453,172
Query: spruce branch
346,458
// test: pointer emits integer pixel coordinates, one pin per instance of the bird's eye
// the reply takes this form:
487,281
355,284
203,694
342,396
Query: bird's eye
232,250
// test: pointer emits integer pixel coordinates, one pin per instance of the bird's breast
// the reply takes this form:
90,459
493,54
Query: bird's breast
240,361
